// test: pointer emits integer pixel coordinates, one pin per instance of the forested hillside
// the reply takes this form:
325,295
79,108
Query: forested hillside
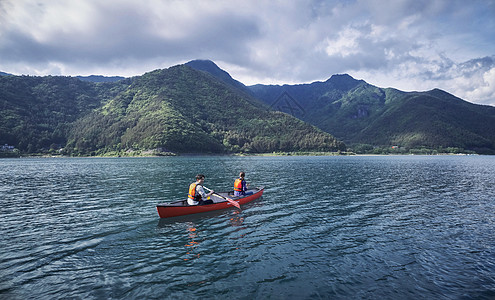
211,68
183,110
199,108
366,117
36,113
178,110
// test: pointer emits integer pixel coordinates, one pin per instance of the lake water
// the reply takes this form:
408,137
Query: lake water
363,227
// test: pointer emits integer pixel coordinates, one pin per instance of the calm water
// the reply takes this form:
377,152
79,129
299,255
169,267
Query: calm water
398,227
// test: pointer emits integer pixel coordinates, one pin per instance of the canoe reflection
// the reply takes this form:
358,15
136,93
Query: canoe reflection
193,243
237,219
193,224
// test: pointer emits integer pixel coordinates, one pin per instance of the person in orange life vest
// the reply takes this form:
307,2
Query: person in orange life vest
197,195
240,186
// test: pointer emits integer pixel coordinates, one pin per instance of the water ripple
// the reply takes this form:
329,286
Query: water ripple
326,227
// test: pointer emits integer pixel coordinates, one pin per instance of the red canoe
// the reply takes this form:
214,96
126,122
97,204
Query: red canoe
181,208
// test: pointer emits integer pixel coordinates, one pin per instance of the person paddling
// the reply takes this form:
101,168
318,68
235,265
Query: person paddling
240,186
197,195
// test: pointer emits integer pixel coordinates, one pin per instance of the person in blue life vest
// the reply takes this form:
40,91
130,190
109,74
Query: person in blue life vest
197,195
240,186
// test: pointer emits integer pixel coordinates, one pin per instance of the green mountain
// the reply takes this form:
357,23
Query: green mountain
211,68
366,116
179,109
36,112
197,107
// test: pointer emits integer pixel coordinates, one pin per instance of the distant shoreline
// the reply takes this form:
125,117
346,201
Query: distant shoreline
281,154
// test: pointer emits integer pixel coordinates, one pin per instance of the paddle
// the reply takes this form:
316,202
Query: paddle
228,199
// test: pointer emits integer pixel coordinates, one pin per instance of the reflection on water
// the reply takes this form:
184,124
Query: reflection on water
237,219
193,223
193,243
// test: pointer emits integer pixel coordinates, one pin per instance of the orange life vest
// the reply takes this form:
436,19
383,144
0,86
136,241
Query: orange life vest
192,192
238,184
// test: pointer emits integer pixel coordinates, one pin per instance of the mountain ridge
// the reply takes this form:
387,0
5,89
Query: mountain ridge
179,110
360,114
363,115
201,109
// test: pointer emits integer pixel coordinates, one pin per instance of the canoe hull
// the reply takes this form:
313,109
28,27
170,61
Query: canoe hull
175,209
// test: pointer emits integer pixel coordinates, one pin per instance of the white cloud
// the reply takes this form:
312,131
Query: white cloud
345,44
474,81
407,44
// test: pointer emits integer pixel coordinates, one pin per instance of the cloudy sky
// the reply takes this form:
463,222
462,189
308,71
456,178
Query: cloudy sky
406,44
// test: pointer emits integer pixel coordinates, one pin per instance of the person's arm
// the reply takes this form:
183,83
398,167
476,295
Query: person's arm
201,191
245,185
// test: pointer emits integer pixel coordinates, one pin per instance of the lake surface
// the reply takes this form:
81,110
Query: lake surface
363,227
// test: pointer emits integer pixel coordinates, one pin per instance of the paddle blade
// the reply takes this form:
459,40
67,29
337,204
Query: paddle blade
233,203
